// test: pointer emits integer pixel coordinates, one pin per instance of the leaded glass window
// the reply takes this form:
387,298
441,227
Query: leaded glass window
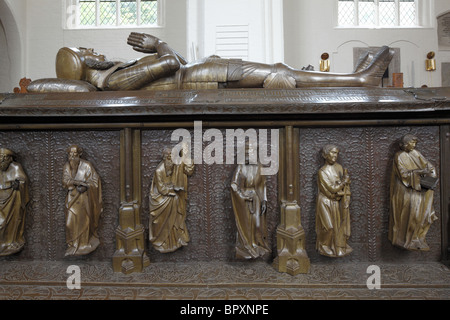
100,13
378,13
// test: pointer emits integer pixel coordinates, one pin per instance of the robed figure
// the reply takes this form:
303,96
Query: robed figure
168,197
83,205
332,207
411,206
14,198
249,199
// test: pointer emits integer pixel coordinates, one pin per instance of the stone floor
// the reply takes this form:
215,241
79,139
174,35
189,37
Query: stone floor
222,281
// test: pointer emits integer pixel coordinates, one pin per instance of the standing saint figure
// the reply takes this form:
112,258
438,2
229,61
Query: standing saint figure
168,197
411,208
332,209
83,205
14,198
249,199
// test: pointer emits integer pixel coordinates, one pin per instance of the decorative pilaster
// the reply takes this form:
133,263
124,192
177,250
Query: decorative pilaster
130,253
292,257
445,191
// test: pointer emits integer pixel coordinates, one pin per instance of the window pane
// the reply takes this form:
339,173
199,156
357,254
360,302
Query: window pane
108,13
128,12
87,13
118,12
383,13
366,12
386,13
407,13
346,13
149,11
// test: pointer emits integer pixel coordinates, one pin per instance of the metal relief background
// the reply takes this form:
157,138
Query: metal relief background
367,153
43,155
210,217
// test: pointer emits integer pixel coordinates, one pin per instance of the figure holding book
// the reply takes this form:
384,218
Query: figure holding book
411,210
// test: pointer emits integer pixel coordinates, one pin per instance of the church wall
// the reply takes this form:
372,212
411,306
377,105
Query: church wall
5,77
46,32
316,32
12,21
309,28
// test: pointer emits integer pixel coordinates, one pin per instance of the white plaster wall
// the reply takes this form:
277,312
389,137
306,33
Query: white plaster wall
235,12
310,29
13,65
5,62
38,30
47,32
442,6
263,18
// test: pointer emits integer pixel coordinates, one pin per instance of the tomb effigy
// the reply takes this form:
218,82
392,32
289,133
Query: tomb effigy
191,252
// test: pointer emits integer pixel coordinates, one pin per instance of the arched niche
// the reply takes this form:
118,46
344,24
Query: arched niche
11,52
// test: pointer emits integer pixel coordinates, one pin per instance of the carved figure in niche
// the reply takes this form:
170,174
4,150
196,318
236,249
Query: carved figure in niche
168,197
411,208
332,208
81,69
249,199
14,198
83,205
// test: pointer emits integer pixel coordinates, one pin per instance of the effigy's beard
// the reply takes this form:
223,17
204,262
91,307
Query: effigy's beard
99,65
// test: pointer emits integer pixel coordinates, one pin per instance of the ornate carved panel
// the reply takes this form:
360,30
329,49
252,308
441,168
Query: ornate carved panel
217,280
366,124
367,152
210,218
42,155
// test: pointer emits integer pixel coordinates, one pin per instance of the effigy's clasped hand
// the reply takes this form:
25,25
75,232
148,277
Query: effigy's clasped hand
143,42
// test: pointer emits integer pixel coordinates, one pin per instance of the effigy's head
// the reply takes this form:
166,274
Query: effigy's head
72,63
